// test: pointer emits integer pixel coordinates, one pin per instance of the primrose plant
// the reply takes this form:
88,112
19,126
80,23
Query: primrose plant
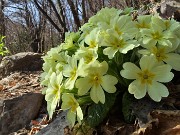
111,54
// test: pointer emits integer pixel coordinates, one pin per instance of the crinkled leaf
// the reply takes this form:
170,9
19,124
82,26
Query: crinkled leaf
118,58
97,112
127,101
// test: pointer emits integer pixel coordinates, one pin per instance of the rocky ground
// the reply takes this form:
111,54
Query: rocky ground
22,106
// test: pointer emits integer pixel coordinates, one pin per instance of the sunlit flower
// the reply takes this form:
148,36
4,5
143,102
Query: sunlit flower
165,54
95,81
69,102
157,34
45,76
104,15
116,43
53,92
143,21
72,71
92,39
147,78
124,25
54,60
173,26
70,38
89,55
86,29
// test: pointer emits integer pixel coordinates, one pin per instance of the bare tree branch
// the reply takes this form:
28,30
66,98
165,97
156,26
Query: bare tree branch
75,13
47,16
56,13
84,11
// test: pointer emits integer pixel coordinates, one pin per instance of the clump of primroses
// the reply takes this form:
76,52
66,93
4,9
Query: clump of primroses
143,50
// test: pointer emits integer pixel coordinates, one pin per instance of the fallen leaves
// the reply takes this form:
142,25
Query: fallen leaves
152,118
36,125
160,122
1,87
19,83
168,120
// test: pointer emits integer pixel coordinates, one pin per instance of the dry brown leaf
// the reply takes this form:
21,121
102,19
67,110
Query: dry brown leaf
168,120
173,131
148,128
1,87
35,122
12,83
34,130
162,122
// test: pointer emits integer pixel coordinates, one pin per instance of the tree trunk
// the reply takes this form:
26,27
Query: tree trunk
75,13
2,22
84,11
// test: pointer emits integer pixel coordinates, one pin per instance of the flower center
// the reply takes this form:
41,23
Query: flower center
92,44
119,43
88,58
96,80
55,91
142,25
159,53
146,76
118,31
156,35
73,104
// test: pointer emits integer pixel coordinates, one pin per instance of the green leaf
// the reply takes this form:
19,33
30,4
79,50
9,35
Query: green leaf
127,101
114,70
97,112
118,58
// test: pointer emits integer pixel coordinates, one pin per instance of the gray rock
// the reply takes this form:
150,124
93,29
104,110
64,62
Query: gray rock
169,8
56,127
18,112
25,61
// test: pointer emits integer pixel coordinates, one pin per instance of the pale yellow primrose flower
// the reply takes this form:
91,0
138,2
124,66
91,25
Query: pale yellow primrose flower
116,43
148,78
72,71
95,81
124,25
69,102
92,39
164,54
104,16
70,37
157,34
45,76
54,62
53,92
88,54
143,21
173,26
54,59
86,29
